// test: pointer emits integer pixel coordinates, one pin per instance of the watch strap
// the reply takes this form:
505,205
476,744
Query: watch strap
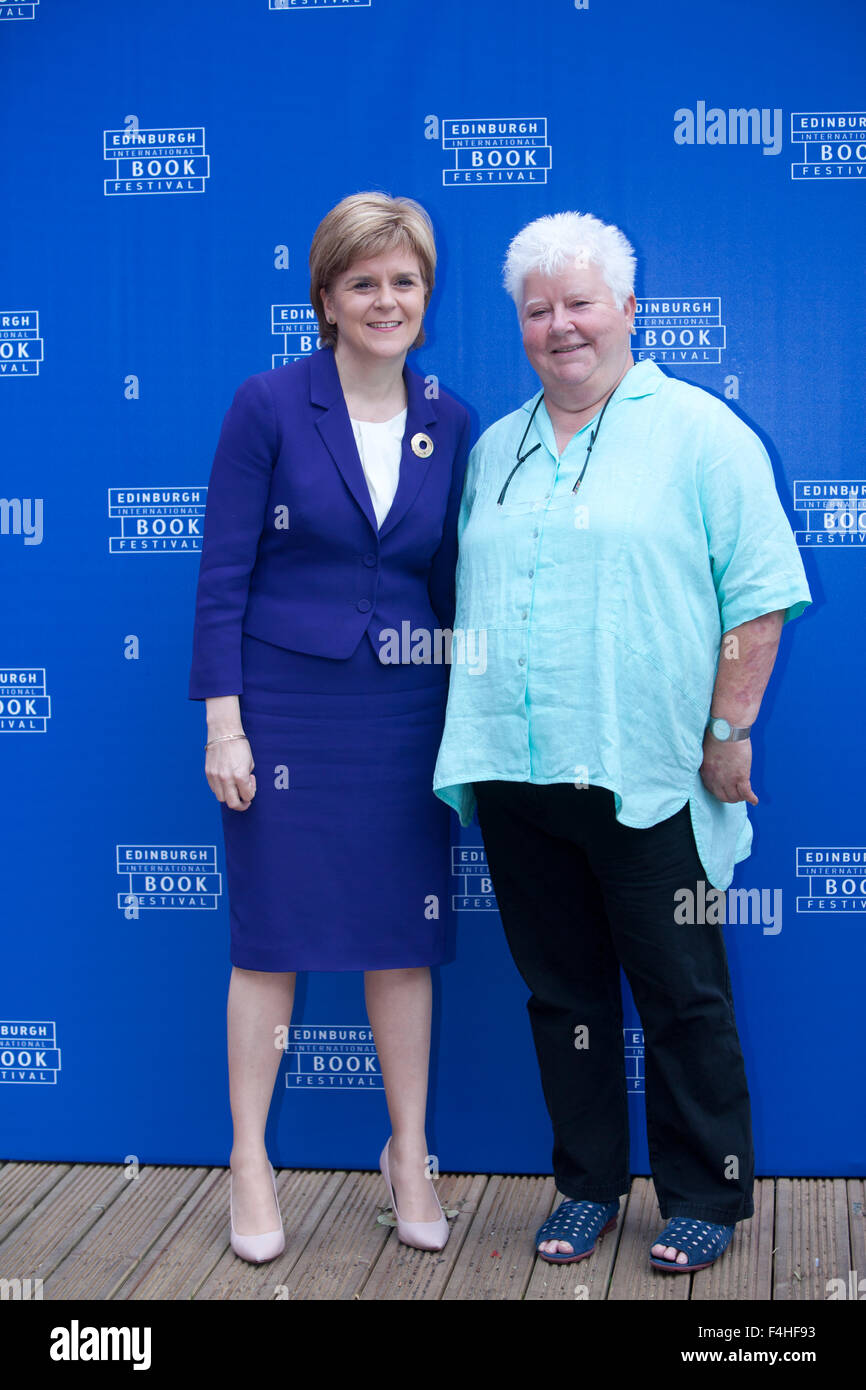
736,734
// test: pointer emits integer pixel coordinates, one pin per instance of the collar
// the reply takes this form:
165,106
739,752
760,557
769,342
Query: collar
335,428
325,389
643,379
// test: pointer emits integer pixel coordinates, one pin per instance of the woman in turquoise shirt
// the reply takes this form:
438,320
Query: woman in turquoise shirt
620,536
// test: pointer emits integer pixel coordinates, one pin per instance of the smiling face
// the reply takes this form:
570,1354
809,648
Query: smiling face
377,306
576,338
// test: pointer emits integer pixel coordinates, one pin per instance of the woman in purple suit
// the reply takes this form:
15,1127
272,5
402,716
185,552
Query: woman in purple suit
329,539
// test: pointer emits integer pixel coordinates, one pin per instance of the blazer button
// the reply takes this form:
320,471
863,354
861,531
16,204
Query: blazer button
370,561
364,605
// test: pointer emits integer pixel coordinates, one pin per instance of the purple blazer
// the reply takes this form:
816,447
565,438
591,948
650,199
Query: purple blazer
318,584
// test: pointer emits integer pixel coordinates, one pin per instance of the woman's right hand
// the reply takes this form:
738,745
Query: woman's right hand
228,764
229,770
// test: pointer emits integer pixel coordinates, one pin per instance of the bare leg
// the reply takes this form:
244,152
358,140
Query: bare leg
399,1004
259,1002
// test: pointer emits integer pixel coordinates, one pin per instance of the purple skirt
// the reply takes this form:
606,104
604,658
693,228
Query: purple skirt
341,862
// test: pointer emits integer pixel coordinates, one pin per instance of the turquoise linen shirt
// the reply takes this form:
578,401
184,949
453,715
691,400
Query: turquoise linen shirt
589,626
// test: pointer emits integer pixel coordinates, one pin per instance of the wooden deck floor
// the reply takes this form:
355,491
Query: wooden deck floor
88,1232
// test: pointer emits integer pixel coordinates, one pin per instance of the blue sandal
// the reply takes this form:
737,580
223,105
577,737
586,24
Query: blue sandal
580,1223
701,1241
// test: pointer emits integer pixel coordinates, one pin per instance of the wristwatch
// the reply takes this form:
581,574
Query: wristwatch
724,732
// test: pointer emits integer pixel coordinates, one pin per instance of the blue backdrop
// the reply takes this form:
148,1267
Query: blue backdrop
162,170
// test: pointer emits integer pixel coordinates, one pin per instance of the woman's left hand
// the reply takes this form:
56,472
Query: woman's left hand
726,768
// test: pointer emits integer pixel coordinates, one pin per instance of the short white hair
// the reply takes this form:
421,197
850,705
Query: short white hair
550,244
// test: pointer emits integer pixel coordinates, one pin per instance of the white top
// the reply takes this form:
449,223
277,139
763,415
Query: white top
379,449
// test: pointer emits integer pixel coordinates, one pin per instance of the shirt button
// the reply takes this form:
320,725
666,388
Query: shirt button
370,560
364,605
521,661
524,615
535,532
532,574
547,494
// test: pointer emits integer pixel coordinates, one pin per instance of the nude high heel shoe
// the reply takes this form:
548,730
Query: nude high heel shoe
259,1248
422,1235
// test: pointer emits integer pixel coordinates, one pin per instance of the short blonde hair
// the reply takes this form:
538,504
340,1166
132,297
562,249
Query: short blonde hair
362,226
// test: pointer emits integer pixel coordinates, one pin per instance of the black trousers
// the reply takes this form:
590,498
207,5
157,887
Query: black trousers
579,894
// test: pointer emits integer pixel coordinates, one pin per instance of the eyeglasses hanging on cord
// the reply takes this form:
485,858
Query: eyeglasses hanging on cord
522,459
